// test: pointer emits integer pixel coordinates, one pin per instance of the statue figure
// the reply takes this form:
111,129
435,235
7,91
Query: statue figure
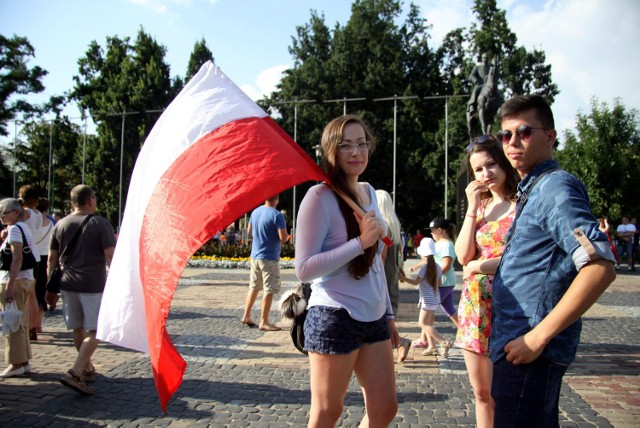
485,98
478,77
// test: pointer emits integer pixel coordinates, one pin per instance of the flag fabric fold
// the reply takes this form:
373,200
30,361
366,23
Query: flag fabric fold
213,156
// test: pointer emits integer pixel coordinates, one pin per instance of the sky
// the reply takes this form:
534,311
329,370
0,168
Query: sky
592,45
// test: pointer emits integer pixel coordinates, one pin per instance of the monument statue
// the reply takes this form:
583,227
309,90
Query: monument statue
485,99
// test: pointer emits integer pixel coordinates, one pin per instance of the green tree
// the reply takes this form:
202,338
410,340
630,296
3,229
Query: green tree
17,79
126,84
522,72
372,56
604,155
199,56
63,140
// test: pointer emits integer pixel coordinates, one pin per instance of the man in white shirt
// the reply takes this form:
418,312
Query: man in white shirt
624,235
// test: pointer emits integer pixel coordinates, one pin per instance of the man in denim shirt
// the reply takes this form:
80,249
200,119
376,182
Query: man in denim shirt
555,266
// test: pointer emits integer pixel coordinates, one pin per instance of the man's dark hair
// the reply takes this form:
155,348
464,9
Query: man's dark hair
80,195
521,103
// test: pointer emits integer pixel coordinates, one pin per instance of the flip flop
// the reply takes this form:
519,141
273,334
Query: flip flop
248,323
270,327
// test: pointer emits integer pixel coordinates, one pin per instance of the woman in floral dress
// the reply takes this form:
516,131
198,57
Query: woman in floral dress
490,212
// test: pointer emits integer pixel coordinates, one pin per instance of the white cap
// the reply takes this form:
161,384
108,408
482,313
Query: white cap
427,247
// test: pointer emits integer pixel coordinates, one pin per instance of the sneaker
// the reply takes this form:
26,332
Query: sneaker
73,381
27,368
418,344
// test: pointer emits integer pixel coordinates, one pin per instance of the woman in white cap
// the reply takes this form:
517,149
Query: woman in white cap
428,280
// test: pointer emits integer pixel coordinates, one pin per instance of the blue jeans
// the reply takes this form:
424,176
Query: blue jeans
526,395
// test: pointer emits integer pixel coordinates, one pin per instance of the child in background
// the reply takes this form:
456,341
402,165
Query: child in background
428,279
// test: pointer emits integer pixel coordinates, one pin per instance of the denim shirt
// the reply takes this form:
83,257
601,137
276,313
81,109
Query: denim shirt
541,259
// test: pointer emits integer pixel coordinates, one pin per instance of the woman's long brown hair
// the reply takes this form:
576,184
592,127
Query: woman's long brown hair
331,138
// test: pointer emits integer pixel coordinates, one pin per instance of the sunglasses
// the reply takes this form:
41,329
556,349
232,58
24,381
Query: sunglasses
480,140
523,132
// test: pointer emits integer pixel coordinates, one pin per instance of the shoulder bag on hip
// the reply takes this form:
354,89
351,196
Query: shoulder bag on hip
53,283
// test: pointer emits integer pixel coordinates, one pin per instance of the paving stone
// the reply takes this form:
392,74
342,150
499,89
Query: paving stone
238,376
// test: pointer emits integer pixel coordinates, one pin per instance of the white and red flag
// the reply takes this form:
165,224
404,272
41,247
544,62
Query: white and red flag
212,156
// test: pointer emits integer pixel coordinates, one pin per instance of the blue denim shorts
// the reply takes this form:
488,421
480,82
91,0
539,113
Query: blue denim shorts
330,330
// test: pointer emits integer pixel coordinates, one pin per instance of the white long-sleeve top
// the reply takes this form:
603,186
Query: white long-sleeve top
323,253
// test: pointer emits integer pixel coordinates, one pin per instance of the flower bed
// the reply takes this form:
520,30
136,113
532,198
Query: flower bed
215,262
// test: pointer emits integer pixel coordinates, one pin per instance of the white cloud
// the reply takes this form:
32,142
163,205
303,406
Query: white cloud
265,82
592,45
156,5
445,15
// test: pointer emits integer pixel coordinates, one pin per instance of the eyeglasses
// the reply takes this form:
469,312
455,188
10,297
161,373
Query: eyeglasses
523,132
480,140
347,149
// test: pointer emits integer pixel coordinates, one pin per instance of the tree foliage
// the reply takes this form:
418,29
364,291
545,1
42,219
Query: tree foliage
604,155
381,52
62,140
17,79
126,85
199,56
379,64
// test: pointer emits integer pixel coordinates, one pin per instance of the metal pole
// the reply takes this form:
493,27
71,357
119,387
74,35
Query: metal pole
15,154
121,168
84,147
295,138
395,117
446,156
395,99
49,178
446,144
344,101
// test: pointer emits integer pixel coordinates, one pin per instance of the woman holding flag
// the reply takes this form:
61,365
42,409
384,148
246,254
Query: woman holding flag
350,323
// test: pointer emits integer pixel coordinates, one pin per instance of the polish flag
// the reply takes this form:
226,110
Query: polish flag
212,156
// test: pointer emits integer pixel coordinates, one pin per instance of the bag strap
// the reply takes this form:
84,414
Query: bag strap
523,198
25,244
75,236
46,233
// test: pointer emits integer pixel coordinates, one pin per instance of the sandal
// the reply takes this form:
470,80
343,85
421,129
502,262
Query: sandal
430,351
89,375
418,344
73,381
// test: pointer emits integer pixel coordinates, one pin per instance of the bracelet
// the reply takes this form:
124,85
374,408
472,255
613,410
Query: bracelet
472,216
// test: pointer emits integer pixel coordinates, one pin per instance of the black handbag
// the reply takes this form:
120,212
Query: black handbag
297,324
53,282
28,259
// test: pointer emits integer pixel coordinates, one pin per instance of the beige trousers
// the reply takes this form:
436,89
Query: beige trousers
17,347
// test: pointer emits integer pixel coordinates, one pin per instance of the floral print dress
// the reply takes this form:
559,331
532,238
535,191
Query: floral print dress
474,310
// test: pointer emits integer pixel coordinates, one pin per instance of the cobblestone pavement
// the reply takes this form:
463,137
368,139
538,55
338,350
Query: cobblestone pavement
240,376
